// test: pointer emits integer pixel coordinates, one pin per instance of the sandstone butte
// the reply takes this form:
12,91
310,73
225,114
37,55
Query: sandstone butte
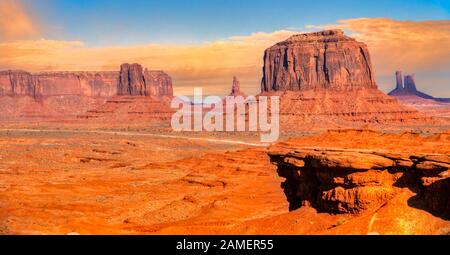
326,79
320,60
130,80
103,94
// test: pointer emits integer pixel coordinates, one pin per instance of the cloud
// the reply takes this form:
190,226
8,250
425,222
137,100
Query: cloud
15,22
421,47
414,47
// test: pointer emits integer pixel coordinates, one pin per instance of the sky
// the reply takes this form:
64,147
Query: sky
205,43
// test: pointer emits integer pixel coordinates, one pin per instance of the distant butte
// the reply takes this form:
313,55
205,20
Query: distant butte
236,88
321,60
406,92
408,88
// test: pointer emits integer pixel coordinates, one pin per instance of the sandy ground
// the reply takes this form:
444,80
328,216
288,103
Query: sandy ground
60,182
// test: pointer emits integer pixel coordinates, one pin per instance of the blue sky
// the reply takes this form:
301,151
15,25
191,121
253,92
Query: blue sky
119,22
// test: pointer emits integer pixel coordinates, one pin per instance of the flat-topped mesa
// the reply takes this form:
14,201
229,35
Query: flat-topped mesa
158,83
22,83
131,80
326,36
321,60
366,175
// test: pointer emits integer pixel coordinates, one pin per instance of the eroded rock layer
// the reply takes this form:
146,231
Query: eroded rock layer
324,109
408,94
409,89
134,81
131,80
354,180
321,60
124,109
53,95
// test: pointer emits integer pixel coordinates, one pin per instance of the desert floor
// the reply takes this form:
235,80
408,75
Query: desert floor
120,182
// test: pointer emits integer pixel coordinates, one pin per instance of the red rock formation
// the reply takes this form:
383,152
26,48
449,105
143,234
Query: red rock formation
123,109
21,83
354,180
321,60
326,79
410,82
131,80
69,94
236,88
91,84
399,79
331,109
26,108
409,95
99,183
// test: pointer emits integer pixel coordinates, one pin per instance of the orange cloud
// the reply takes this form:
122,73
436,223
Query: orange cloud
15,22
408,45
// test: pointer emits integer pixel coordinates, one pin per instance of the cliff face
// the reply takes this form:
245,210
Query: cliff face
236,88
352,181
362,178
131,80
21,83
102,84
321,60
158,83
16,83
134,81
